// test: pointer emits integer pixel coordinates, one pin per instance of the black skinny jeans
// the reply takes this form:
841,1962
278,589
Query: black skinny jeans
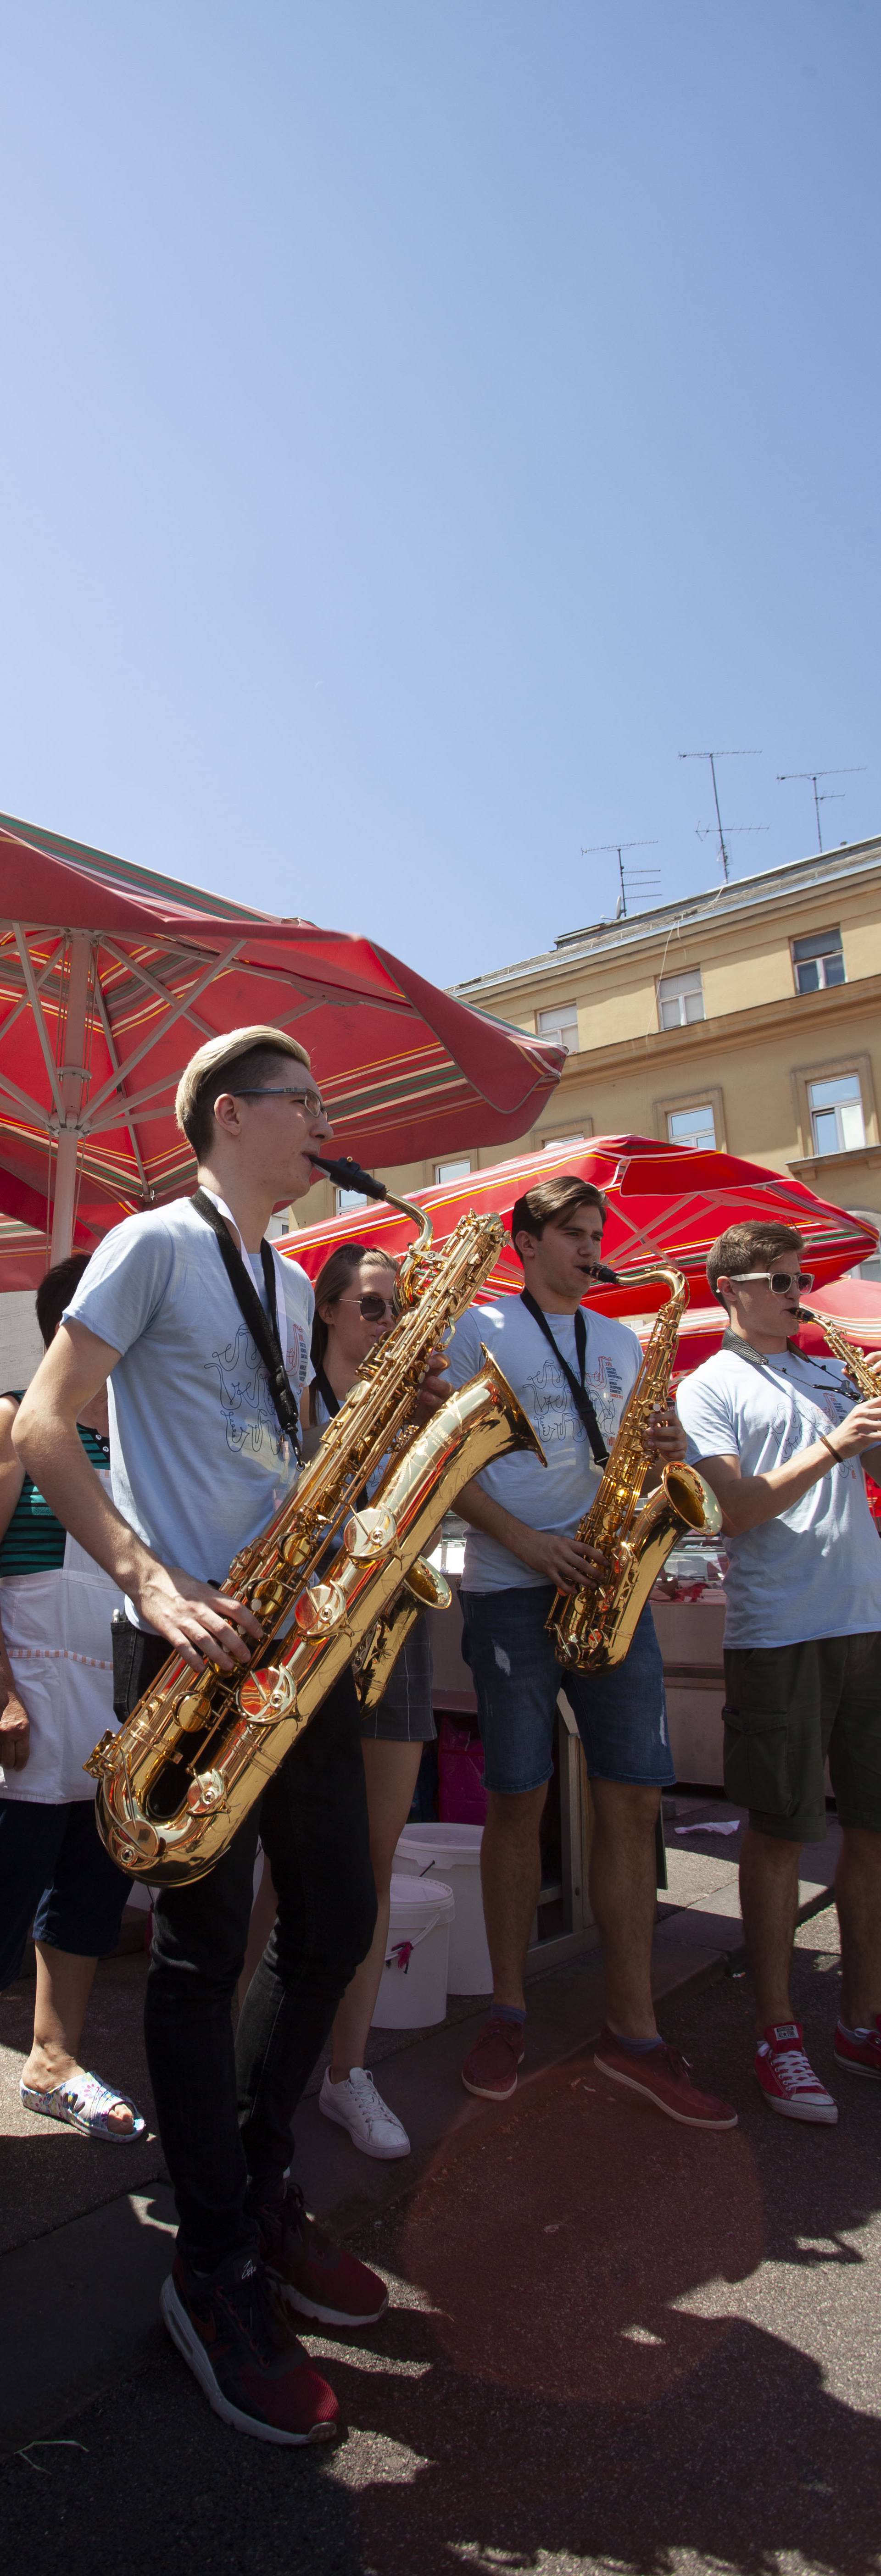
225,2109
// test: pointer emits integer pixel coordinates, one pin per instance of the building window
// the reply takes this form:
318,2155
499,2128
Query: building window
871,1268
837,1114
694,1127
556,1144
680,998
455,1171
560,1026
348,1199
818,962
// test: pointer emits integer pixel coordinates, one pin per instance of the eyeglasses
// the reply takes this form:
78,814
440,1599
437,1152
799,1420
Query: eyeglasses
311,1101
779,1281
373,1309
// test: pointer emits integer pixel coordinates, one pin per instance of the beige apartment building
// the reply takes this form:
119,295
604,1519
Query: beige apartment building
746,1018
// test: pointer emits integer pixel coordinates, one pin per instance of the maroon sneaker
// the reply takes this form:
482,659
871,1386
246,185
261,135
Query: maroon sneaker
860,2055
787,2077
312,2272
244,2355
662,2078
490,2069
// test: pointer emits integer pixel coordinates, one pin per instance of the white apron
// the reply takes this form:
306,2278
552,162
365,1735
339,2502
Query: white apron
58,1639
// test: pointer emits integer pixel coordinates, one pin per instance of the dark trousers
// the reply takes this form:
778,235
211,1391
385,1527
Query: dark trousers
225,2109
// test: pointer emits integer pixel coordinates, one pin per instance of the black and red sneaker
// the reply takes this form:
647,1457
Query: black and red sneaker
242,2351
312,2272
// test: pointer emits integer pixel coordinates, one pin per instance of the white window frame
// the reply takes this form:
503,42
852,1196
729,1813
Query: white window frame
559,1016
871,1267
346,1201
710,1096
457,1168
689,980
698,1144
837,1110
822,985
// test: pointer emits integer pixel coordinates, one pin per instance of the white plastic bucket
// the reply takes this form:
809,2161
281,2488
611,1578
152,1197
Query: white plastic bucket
453,1853
413,1986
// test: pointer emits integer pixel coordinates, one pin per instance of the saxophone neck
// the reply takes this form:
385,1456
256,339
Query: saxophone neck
411,1275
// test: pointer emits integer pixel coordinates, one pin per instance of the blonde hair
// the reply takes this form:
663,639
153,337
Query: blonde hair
201,1083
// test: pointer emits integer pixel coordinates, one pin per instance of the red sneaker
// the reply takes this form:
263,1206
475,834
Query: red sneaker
861,2055
787,2077
242,2352
662,2077
490,2069
312,2272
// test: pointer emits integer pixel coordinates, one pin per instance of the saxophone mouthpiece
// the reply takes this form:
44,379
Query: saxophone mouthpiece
347,1175
604,1277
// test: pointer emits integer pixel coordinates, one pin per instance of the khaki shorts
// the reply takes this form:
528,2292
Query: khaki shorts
788,1708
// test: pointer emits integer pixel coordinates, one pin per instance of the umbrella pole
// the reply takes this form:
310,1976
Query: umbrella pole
72,1075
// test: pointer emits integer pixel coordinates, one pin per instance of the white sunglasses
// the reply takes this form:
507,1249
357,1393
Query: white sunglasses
779,1281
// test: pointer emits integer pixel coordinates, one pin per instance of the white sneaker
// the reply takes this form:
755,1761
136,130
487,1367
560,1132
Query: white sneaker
356,2106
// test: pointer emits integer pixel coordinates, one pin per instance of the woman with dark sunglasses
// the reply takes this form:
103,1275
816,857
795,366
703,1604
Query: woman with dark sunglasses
354,1308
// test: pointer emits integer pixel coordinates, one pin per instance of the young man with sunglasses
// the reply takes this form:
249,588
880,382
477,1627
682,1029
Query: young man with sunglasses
777,1435
572,1371
203,1334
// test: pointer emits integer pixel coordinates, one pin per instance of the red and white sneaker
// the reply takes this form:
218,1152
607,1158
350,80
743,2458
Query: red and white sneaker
787,2077
312,2272
860,2055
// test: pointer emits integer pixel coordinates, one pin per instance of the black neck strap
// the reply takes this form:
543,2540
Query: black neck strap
262,1326
578,1392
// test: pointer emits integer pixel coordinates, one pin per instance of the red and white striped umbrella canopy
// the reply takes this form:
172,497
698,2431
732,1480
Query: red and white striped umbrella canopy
111,977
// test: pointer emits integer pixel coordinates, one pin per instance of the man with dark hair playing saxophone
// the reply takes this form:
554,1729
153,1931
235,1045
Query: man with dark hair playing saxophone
776,1433
573,1371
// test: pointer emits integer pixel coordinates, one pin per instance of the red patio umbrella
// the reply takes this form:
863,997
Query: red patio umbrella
111,976
666,1202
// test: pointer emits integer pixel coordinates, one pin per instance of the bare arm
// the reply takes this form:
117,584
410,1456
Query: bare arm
555,1557
747,1501
190,1614
15,1724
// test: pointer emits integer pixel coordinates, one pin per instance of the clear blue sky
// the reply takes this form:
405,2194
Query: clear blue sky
421,420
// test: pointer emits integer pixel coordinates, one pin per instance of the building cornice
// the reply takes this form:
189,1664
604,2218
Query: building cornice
751,896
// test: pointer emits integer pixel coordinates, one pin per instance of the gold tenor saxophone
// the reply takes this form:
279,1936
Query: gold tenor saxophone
855,1361
592,1629
180,1775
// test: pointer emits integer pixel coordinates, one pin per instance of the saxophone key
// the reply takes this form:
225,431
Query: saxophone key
320,1609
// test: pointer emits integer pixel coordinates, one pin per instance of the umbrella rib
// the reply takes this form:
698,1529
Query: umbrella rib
144,975
24,1004
217,967
37,1008
25,1101
114,1059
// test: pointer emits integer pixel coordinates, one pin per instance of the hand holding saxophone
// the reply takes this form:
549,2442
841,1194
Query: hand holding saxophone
665,1438
195,1618
861,1428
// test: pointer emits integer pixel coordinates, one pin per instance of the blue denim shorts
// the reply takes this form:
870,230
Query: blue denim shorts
56,1875
621,1715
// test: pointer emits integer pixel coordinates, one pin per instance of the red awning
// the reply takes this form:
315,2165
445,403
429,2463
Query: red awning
665,1203
110,977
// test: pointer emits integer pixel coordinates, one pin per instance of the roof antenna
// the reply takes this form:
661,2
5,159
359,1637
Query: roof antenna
712,757
629,877
830,795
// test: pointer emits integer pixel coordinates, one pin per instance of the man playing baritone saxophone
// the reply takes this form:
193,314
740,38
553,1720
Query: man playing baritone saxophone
199,1466
573,1372
777,1435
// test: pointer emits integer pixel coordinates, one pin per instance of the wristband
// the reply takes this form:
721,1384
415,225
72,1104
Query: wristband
833,1453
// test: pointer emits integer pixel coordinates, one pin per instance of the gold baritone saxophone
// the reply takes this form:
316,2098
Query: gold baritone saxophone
593,1629
179,1777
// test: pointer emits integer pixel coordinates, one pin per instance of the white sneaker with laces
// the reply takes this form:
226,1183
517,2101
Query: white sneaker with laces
356,2106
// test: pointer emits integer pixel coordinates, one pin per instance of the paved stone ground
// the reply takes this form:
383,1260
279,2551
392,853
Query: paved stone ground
613,2345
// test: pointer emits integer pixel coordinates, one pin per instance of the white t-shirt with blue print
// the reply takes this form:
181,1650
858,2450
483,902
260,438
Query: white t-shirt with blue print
556,1496
198,1465
814,1571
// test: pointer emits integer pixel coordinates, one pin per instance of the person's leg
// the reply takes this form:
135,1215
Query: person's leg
858,1899
623,1900
315,1834
510,1878
263,1914
390,1775
200,1933
30,1839
769,1906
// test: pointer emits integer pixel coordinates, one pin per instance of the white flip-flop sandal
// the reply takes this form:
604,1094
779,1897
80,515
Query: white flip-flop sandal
84,2103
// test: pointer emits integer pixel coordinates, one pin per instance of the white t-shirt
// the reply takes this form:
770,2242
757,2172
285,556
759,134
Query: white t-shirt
198,1465
814,1571
556,1496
